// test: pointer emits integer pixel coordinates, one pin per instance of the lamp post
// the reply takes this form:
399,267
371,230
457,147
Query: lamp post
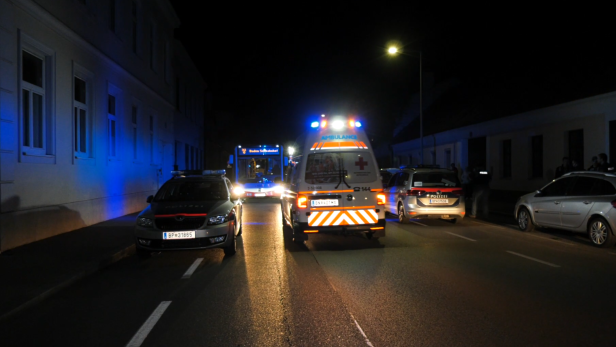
393,51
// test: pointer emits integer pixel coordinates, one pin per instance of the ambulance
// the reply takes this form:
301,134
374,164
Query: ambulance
333,185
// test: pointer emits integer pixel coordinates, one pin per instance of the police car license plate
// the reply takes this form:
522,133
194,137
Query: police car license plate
175,235
324,202
439,201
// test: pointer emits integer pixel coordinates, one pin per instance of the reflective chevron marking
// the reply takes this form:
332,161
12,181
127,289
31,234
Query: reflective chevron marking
350,217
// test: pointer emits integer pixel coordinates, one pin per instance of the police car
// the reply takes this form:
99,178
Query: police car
335,185
193,210
425,192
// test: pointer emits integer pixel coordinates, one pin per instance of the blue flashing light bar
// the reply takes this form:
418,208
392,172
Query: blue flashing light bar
213,172
314,125
358,124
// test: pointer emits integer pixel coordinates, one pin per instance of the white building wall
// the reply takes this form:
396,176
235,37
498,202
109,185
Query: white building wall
553,123
48,194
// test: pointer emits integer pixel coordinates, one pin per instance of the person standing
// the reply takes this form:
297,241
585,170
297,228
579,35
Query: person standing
481,193
603,166
562,169
466,183
594,165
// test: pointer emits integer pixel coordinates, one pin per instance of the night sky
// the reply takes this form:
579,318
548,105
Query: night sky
266,64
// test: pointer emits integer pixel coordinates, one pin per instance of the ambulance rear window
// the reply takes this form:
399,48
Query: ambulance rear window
327,167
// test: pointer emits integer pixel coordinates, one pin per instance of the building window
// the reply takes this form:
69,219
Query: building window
135,26
82,112
187,156
151,139
507,159
37,130
177,93
111,124
152,47
112,15
166,68
134,117
537,156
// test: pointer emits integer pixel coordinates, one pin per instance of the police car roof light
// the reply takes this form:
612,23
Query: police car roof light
213,172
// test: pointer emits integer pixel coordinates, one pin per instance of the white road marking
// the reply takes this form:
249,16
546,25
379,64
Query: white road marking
550,239
418,223
362,332
192,268
534,259
145,329
464,237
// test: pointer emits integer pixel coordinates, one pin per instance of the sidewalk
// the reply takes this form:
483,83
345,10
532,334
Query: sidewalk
33,272
502,204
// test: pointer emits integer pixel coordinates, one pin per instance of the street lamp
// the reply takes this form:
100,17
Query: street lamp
393,51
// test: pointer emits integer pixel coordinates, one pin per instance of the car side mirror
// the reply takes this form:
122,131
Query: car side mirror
149,199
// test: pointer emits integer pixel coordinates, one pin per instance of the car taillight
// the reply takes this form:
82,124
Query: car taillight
614,204
458,192
302,201
414,192
380,199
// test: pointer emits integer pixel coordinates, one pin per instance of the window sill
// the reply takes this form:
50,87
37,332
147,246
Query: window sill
37,158
84,161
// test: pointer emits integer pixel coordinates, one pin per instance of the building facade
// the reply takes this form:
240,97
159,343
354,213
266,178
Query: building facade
89,111
522,151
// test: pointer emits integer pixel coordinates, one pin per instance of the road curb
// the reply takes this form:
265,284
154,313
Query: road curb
105,262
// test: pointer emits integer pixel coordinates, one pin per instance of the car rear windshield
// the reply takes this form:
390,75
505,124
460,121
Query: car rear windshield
328,167
192,191
435,179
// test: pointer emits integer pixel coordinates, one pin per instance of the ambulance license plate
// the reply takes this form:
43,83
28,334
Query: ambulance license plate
259,194
439,201
175,235
324,202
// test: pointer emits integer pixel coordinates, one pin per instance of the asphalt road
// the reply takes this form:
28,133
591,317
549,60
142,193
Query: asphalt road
428,283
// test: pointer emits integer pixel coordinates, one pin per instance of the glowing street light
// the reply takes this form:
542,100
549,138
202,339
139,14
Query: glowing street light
393,51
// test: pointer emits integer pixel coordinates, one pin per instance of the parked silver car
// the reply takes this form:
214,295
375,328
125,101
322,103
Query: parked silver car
425,192
582,202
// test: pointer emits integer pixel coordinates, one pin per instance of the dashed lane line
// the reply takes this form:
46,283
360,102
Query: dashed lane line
192,268
145,329
418,223
533,259
460,236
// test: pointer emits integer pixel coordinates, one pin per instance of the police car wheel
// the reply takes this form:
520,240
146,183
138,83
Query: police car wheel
402,218
229,251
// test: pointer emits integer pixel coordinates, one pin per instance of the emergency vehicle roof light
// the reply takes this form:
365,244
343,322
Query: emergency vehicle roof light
314,125
323,123
338,124
358,124
213,172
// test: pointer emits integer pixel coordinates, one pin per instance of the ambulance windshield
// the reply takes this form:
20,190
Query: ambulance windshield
328,167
